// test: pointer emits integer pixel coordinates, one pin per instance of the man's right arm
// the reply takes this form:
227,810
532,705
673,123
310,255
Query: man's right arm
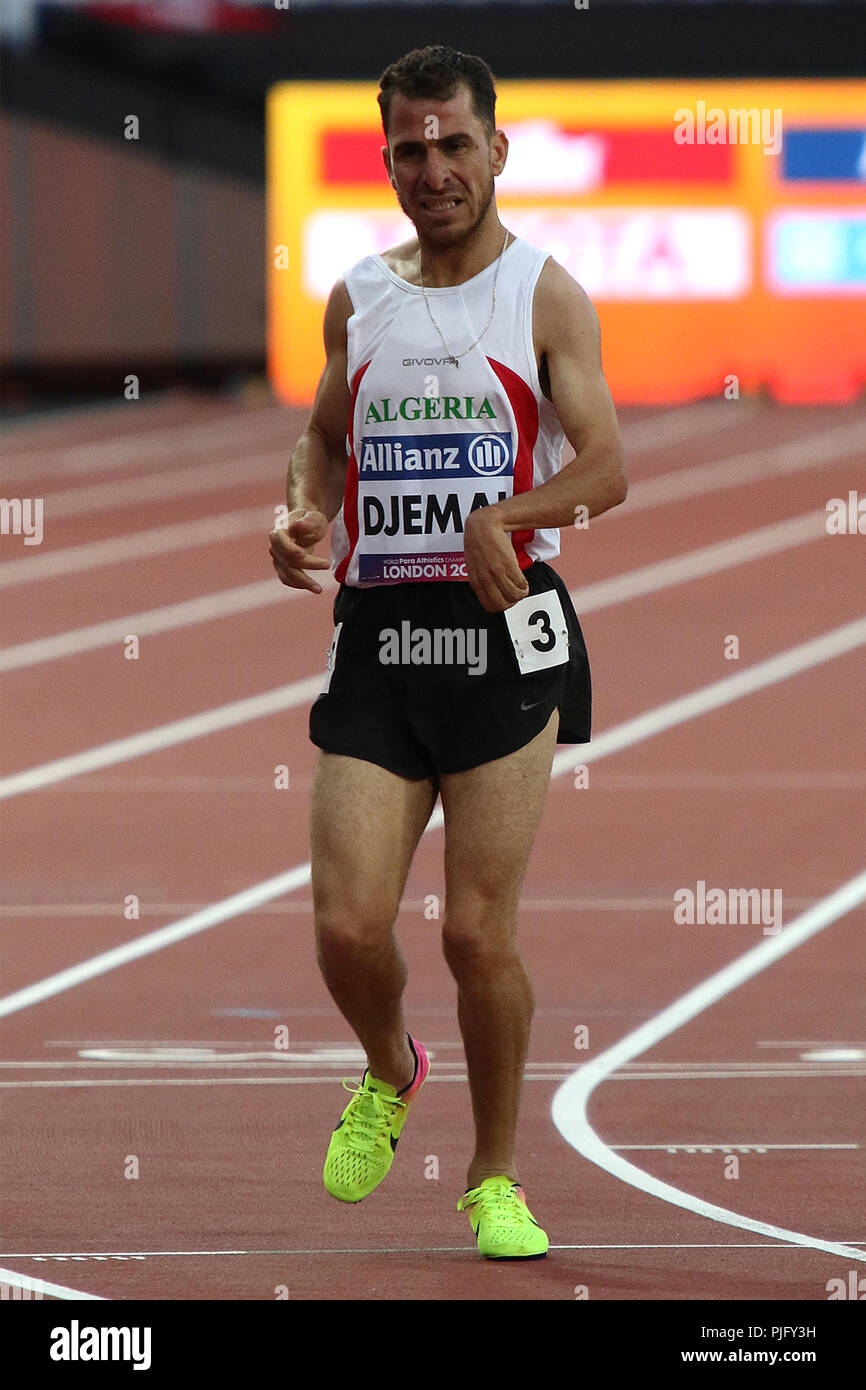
317,466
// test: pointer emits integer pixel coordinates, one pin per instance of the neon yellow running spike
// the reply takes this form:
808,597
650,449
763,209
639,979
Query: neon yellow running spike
503,1223
362,1146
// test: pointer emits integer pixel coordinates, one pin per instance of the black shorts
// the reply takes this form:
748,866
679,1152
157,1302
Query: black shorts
443,714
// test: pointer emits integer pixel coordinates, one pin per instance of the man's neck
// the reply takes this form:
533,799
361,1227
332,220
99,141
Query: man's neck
453,265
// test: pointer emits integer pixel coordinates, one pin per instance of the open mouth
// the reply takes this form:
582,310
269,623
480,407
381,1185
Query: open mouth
442,204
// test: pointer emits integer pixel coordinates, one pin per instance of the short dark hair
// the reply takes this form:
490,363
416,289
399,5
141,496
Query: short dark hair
437,71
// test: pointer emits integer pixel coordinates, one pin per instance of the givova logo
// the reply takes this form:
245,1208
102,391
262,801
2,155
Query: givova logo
77,1343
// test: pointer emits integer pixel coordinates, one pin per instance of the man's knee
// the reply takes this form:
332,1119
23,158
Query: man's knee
349,937
478,939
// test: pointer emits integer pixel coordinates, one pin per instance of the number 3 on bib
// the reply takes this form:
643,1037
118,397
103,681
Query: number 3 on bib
538,631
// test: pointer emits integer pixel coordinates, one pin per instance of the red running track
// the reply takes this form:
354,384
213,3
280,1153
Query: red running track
171,1064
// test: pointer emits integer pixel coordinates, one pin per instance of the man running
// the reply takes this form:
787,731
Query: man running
457,363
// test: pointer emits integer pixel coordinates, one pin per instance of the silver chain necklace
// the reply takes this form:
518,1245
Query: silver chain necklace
451,355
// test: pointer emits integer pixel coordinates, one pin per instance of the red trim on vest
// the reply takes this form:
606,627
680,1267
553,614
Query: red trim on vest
525,408
350,492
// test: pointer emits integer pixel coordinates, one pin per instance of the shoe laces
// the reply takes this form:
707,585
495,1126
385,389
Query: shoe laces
491,1199
367,1116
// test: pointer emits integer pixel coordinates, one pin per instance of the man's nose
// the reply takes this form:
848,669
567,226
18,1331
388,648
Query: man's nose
435,168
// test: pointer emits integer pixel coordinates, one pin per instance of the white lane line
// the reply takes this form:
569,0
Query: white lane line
764,673
680,779
172,443
667,716
110,1059
225,604
172,482
222,911
138,545
41,1286
738,1147
809,1042
227,1081
697,564
595,596
218,785
388,1250
194,726
183,438
794,456
648,579
127,1254
46,911
179,481
569,1107
687,1073
560,1074
813,451
673,426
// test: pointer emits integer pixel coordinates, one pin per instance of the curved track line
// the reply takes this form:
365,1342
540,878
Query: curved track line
41,1286
569,1105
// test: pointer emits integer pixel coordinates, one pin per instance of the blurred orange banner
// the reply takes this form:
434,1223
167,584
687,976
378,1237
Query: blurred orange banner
718,227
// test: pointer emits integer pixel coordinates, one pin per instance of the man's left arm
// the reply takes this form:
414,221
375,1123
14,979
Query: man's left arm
566,330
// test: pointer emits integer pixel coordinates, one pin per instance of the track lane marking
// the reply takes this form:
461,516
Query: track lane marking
226,603
738,471
395,1250
795,660
648,579
168,443
276,701
561,1074
42,1286
569,1107
169,482
178,441
137,545
593,597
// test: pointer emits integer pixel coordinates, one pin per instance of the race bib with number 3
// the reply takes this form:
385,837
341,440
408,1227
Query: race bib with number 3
538,631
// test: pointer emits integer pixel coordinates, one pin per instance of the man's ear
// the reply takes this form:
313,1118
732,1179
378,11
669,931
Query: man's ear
500,148
386,160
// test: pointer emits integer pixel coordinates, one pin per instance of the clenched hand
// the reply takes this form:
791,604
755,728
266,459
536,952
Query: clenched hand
491,564
291,549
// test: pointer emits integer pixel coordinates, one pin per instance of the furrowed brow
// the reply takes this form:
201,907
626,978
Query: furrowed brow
407,146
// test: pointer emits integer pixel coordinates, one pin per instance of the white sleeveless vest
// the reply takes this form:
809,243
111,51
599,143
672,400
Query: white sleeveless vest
431,439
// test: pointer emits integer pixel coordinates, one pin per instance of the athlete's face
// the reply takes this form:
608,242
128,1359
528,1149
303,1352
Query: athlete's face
442,165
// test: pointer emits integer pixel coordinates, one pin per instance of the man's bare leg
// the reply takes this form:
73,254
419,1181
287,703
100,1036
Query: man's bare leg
365,826
491,816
